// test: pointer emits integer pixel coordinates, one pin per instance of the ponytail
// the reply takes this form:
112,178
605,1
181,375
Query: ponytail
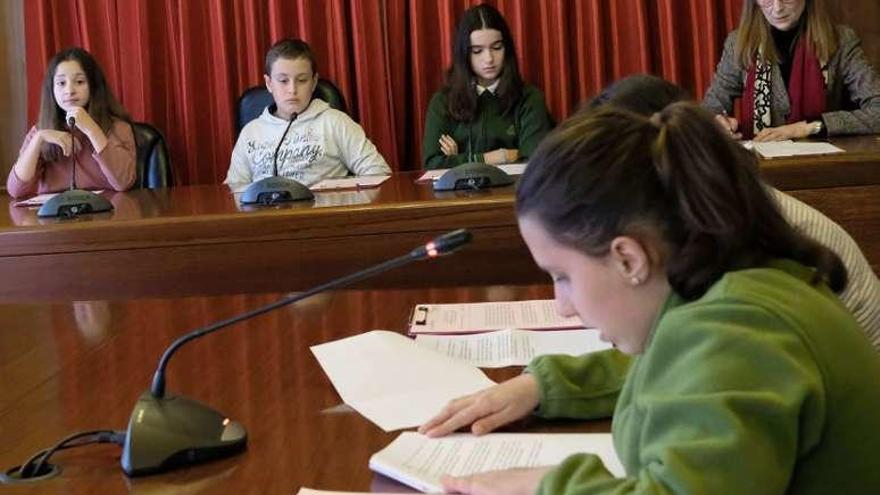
612,173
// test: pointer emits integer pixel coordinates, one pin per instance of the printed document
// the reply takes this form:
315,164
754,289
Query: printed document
512,347
392,381
779,149
488,317
418,461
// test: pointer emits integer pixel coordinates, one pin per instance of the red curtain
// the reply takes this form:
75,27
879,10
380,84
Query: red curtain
181,64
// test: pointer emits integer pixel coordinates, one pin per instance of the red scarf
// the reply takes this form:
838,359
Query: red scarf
806,89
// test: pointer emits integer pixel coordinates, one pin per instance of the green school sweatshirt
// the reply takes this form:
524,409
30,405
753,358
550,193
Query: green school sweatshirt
765,385
520,128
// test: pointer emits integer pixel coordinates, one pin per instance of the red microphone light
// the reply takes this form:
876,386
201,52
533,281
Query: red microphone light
431,249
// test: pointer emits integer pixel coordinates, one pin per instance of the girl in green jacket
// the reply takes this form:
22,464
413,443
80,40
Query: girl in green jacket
749,375
485,113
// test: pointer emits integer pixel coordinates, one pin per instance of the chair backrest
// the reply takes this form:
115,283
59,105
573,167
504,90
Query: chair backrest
256,98
153,160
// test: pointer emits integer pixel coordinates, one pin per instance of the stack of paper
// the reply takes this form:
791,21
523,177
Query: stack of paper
779,149
363,181
487,317
419,461
512,347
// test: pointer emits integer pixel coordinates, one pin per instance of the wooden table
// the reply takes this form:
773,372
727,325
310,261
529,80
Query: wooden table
198,241
77,366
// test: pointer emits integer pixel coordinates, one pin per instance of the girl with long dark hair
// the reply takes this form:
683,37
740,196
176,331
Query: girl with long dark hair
100,143
485,113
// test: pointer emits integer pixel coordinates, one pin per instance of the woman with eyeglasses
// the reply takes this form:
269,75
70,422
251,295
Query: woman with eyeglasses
798,74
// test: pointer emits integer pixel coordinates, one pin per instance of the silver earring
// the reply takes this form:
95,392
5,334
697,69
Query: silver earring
635,280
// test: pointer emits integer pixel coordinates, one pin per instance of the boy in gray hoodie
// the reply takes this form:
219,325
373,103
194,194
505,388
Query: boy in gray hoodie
322,142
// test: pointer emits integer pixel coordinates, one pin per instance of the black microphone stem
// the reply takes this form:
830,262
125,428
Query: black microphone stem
442,245
275,155
71,122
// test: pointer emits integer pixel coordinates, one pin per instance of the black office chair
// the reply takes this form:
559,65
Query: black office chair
153,160
255,99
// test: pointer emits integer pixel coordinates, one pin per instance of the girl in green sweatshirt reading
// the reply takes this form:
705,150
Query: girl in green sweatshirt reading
748,374
485,113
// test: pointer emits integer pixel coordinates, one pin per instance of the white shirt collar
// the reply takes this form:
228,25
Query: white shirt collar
491,88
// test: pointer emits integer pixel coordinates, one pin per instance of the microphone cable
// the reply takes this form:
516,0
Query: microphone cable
37,464
277,148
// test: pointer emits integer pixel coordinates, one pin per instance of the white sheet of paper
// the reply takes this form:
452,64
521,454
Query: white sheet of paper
350,182
781,149
486,317
40,199
392,381
37,200
513,168
510,168
512,347
345,198
310,491
418,461
432,175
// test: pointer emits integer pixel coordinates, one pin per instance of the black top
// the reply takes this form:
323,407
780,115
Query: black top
785,42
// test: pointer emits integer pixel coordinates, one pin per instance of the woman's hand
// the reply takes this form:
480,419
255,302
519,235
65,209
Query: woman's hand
791,131
448,145
60,138
523,481
729,124
488,409
89,127
500,156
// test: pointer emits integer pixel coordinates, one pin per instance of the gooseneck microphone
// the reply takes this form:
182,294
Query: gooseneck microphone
73,202
280,142
276,189
167,431
71,123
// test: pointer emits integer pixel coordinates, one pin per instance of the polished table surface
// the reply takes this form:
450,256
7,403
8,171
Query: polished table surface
198,241
68,367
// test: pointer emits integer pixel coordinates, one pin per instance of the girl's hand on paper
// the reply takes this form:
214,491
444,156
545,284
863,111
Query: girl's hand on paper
523,481
488,409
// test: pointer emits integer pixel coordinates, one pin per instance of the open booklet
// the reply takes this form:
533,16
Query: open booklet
418,461
488,317
509,168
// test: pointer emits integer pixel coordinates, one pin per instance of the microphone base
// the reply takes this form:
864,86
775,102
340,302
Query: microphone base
469,176
73,203
173,432
274,190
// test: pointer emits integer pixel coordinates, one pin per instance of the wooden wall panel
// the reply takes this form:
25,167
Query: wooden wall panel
12,84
